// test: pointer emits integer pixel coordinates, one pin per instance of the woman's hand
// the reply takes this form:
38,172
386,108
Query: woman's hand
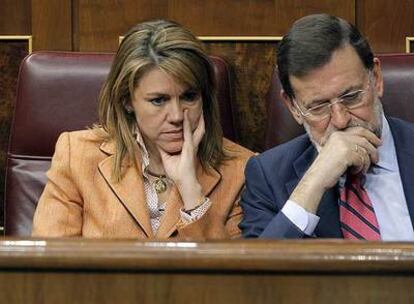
181,168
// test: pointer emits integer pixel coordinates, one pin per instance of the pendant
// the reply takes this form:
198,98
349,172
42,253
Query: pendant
160,185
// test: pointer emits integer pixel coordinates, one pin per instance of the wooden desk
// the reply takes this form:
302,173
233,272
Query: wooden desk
99,271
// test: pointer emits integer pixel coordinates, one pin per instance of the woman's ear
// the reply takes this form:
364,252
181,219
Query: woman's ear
378,79
128,107
292,108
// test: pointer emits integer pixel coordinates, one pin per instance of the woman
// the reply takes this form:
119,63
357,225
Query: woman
157,166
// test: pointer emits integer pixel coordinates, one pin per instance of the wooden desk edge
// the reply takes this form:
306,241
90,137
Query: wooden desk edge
225,256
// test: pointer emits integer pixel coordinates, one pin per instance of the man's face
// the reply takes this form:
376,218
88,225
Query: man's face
344,73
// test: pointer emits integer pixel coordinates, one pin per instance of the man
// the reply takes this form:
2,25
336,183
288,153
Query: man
350,175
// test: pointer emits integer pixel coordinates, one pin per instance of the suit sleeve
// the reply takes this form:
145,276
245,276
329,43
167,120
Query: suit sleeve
59,210
261,214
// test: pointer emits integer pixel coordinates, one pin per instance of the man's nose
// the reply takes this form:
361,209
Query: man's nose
340,116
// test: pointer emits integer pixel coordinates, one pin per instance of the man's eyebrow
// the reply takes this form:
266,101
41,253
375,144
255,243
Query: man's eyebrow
350,89
316,102
344,92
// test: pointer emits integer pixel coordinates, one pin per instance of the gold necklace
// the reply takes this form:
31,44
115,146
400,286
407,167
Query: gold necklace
160,183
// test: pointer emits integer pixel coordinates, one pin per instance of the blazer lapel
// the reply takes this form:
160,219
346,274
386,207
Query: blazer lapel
130,190
169,220
208,181
328,225
403,140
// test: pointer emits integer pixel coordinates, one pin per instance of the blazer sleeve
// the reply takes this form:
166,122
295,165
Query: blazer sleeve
215,223
59,210
222,218
261,213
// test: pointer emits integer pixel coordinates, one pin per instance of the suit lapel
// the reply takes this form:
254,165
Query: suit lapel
403,140
328,225
328,211
208,181
130,190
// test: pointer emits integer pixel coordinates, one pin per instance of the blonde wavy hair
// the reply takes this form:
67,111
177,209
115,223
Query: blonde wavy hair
175,50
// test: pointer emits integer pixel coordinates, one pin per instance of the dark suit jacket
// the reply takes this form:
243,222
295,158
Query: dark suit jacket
272,176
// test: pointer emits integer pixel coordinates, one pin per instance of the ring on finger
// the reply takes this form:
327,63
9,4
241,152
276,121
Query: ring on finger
356,148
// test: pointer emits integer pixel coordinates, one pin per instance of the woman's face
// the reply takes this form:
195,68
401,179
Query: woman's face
159,102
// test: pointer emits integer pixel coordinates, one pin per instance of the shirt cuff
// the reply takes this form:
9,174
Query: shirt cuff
304,220
189,217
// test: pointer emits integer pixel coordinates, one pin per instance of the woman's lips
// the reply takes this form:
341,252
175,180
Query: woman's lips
173,135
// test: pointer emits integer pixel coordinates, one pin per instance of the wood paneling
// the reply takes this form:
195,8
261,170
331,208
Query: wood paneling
290,10
11,54
52,25
251,17
100,23
99,271
68,287
15,17
386,23
250,85
410,44
226,18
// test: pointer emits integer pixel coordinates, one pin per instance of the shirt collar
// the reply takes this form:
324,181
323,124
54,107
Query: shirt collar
143,148
386,152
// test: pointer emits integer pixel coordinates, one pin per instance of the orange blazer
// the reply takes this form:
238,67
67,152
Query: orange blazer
81,199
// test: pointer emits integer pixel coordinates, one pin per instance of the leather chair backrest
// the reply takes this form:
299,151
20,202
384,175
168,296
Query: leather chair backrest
398,99
56,92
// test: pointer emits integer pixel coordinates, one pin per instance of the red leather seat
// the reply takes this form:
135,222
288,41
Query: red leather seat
57,91
398,99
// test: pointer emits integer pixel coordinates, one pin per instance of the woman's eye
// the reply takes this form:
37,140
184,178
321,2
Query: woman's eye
190,96
158,101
